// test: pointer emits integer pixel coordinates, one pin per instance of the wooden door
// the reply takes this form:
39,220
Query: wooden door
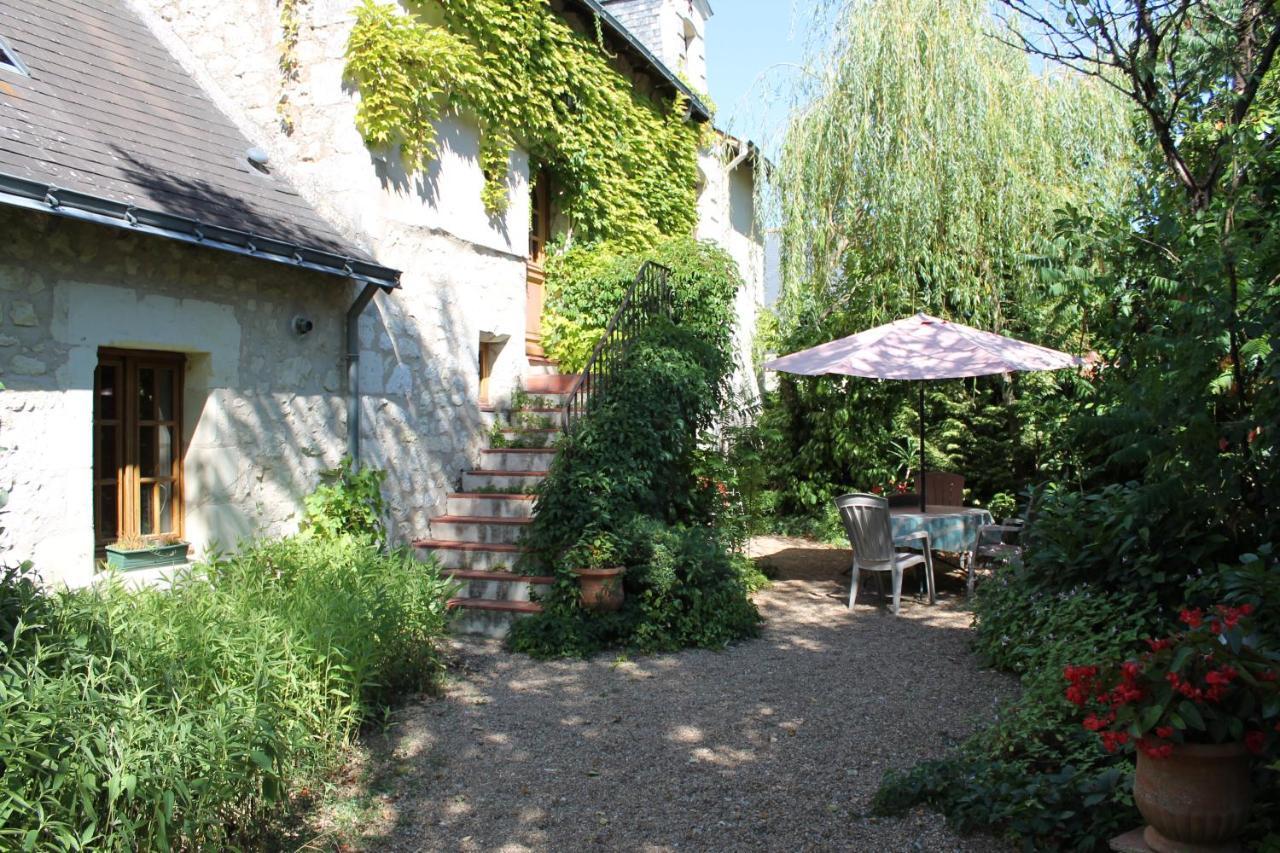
535,275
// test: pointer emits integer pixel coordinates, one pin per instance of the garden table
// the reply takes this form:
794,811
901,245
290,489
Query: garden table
950,528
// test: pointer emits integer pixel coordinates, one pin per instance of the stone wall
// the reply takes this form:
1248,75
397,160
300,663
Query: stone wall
464,271
264,410
262,416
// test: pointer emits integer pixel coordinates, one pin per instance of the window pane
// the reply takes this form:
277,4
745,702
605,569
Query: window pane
146,393
165,491
164,394
147,452
105,463
107,515
106,384
146,509
164,451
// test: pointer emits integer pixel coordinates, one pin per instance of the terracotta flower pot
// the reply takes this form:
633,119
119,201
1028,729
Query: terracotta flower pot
1196,800
601,588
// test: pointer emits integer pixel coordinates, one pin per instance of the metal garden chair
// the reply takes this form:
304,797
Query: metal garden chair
866,521
997,544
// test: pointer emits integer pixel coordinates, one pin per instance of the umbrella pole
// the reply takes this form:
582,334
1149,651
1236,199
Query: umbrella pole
922,484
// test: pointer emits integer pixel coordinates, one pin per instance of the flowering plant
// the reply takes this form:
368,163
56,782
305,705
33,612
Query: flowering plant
893,487
1202,684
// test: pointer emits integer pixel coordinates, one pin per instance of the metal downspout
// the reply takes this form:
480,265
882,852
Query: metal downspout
353,371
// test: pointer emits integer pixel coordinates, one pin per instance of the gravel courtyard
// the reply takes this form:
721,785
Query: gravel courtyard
774,744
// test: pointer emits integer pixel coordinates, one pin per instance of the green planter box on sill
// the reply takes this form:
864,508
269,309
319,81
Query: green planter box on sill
147,558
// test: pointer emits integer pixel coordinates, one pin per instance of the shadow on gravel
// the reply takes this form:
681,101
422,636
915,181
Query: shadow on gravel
772,744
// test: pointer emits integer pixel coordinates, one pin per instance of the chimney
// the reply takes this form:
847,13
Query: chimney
672,30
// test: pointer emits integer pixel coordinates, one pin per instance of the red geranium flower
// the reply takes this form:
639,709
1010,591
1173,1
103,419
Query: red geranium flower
1192,618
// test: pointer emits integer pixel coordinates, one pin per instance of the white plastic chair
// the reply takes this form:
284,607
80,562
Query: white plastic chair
866,520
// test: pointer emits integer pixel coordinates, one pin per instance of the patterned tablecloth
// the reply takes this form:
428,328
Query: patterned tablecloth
951,528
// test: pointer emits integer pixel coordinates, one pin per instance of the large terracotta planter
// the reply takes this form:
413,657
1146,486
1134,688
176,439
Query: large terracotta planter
601,588
1196,800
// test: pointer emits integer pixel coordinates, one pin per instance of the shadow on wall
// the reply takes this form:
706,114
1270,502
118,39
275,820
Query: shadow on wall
419,413
457,142
262,422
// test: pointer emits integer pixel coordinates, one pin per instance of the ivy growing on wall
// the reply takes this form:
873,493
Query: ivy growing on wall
290,28
624,163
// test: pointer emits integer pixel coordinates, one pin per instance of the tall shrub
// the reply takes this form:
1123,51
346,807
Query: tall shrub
586,284
922,173
632,470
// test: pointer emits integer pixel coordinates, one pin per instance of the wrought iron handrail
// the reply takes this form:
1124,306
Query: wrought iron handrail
648,298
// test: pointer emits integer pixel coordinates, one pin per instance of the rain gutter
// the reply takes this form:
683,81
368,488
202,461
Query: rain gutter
353,371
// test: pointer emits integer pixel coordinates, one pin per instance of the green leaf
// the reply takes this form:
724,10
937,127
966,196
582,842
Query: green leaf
1189,712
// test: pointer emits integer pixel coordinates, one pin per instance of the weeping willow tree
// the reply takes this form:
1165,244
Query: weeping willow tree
924,173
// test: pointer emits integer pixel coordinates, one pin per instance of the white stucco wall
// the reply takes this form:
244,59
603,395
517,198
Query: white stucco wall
727,216
464,271
261,417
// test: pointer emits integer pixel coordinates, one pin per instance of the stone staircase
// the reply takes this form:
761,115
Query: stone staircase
477,540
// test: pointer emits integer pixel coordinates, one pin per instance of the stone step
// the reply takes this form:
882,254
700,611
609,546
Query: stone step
542,366
480,479
490,504
497,586
533,418
516,459
468,555
481,617
478,529
536,437
551,383
543,402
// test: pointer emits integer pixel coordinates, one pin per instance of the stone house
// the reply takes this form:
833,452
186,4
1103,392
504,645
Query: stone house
200,312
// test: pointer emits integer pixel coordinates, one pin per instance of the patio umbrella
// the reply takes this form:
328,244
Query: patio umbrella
922,348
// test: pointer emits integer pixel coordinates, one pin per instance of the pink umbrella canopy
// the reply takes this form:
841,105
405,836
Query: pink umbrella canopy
922,347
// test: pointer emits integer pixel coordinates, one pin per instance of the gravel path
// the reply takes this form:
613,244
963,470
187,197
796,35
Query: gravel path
774,744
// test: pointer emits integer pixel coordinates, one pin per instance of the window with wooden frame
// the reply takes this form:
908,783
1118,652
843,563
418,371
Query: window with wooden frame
137,445
539,218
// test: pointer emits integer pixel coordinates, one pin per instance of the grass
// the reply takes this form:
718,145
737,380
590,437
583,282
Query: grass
148,719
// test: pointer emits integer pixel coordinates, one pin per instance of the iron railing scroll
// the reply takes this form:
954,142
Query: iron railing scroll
649,298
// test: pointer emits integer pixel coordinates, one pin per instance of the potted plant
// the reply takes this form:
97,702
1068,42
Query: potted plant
139,552
1196,706
595,559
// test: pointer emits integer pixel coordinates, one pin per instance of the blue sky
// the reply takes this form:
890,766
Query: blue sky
753,48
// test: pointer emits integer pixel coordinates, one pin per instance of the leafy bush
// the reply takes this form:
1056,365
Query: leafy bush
635,470
1002,505
586,284
1123,537
156,719
1035,774
348,502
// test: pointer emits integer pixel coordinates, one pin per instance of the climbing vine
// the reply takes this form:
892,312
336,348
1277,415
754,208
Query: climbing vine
623,163
290,27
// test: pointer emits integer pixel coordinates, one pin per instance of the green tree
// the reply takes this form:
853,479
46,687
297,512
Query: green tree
1188,402
923,176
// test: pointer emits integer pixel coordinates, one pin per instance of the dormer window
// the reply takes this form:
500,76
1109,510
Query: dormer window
9,60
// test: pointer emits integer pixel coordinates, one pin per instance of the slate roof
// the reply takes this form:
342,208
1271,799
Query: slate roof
117,129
